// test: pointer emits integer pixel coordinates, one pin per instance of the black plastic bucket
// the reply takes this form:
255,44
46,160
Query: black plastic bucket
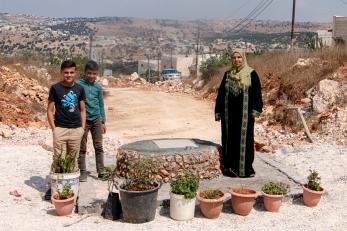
139,207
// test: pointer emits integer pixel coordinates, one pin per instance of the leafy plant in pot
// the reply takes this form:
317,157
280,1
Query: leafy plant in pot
63,200
273,193
182,196
242,199
312,190
112,209
64,171
211,202
139,191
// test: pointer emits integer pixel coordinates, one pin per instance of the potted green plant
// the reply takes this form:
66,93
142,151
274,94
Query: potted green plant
242,199
312,190
63,200
273,193
182,196
64,171
211,202
139,191
112,209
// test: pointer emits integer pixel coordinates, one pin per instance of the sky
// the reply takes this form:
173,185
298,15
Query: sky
306,10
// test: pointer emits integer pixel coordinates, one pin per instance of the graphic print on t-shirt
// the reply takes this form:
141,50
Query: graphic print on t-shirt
69,101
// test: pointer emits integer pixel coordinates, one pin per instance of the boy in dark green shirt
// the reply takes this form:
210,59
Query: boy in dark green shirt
95,122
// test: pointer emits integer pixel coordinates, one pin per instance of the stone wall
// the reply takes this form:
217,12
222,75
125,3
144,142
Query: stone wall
204,163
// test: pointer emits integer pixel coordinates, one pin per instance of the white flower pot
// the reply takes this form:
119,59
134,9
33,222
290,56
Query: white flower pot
58,180
181,209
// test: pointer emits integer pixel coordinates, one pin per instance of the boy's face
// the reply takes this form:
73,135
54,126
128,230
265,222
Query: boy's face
69,74
90,76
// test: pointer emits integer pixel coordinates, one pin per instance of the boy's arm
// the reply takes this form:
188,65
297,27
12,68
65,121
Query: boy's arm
50,114
83,113
102,110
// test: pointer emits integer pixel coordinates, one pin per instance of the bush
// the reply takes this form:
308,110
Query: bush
186,185
64,163
275,188
211,194
141,174
66,192
314,181
212,66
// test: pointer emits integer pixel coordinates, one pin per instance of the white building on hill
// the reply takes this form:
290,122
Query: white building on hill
340,28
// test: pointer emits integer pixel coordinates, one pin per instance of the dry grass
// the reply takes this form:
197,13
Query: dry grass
280,73
295,80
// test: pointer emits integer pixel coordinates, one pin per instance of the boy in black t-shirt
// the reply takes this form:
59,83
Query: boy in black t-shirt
66,114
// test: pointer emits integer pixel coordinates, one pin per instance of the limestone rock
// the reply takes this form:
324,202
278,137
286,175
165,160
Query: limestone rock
326,96
104,82
6,133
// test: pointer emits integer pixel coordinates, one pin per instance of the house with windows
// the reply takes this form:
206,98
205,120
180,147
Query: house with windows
340,29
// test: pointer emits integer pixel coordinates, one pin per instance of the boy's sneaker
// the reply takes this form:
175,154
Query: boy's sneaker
83,176
48,195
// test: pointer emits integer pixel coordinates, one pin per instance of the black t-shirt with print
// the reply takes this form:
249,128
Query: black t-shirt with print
67,102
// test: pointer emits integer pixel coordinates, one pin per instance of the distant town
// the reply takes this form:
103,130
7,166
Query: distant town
132,44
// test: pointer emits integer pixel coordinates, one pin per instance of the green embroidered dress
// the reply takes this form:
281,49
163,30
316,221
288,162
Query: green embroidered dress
236,106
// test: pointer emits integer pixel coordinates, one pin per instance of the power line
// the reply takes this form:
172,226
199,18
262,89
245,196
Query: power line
238,9
252,19
251,14
343,1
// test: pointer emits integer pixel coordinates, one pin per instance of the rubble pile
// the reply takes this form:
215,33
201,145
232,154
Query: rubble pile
323,107
22,99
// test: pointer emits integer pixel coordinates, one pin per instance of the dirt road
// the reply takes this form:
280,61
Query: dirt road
135,114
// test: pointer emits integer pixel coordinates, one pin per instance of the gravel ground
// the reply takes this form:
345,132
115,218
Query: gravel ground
24,167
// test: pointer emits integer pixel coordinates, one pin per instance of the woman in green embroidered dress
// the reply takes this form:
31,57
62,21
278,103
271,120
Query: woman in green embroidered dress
238,102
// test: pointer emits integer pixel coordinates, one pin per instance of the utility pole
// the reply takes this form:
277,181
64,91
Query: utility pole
148,70
90,45
159,53
293,20
197,52
171,48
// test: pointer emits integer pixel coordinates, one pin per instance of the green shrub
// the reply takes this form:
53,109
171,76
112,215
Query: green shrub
211,194
140,175
186,185
66,192
275,188
212,66
64,163
314,181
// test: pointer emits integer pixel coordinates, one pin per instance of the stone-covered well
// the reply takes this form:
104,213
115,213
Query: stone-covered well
174,156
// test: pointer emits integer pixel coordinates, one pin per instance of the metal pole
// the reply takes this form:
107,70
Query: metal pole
149,74
148,68
197,52
293,20
158,66
90,45
171,56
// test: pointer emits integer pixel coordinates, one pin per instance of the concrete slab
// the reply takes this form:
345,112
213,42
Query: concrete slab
184,143
93,193
172,146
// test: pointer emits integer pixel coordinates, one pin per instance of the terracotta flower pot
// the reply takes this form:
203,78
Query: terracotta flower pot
63,207
311,197
242,200
210,208
272,203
